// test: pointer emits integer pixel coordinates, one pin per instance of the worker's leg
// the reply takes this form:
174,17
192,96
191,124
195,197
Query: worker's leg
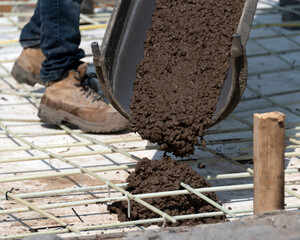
53,31
60,37
67,97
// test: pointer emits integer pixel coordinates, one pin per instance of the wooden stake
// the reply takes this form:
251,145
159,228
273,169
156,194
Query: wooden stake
268,151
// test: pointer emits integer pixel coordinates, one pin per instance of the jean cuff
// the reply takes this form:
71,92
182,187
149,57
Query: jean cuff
53,76
31,44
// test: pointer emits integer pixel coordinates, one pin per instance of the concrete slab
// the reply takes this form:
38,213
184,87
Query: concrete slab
275,226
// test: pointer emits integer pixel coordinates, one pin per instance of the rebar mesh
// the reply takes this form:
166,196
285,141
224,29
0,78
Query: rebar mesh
57,179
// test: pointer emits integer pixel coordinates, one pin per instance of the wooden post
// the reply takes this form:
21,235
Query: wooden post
268,151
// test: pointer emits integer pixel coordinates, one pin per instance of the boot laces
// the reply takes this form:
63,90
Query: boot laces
84,84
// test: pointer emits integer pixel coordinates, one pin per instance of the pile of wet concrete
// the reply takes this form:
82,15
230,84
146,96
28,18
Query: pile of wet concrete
166,175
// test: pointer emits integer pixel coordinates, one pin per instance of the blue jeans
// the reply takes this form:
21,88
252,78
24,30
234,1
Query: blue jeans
55,28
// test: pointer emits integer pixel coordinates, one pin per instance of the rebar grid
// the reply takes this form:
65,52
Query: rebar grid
227,137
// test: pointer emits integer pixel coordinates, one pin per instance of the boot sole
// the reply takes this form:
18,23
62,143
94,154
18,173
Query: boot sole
56,117
22,76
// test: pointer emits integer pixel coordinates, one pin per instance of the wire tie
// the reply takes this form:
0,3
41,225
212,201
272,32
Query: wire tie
128,208
77,214
66,225
108,187
165,220
10,191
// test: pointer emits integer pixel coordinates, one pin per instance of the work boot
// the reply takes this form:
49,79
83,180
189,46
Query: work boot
87,7
28,66
72,101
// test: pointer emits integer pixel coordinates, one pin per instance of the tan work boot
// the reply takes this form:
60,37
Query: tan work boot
28,66
68,100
